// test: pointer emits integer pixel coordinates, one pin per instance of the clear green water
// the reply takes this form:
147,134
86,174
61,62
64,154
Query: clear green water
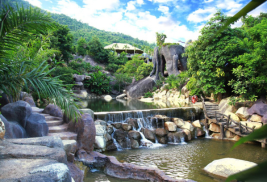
184,161
100,105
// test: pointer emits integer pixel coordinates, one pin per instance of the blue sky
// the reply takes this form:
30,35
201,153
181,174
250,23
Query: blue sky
178,19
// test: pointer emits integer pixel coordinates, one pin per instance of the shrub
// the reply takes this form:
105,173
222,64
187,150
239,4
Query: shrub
64,73
148,94
99,83
81,68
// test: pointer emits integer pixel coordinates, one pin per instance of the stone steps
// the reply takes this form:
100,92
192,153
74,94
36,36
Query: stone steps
54,123
65,135
58,129
51,118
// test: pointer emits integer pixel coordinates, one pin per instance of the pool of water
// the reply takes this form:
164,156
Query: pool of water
100,105
184,161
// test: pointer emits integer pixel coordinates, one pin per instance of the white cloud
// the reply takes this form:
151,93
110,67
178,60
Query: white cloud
162,1
208,1
164,9
131,5
140,2
95,5
201,15
35,3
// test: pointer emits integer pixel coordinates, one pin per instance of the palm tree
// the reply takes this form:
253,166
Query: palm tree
16,28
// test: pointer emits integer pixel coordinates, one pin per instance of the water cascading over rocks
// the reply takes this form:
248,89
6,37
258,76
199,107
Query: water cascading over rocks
146,128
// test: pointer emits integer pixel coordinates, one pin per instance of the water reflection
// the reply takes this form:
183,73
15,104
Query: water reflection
100,105
187,161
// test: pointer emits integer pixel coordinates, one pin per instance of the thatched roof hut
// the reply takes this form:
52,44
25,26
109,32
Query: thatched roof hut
120,47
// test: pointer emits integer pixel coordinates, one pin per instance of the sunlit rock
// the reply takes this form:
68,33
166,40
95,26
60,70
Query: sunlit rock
227,166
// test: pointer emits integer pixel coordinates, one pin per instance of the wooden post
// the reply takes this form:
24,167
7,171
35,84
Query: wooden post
263,143
222,130
240,128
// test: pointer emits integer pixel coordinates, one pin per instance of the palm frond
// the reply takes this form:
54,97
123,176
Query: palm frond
38,80
17,26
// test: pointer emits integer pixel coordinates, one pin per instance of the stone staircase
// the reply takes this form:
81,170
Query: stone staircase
56,126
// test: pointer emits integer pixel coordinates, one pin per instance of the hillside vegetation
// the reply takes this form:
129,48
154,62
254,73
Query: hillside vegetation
83,30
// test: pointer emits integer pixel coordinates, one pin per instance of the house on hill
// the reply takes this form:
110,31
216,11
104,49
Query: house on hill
120,47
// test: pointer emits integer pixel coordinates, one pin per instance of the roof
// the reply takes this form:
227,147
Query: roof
121,46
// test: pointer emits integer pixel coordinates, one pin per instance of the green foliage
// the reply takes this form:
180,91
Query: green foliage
115,61
170,44
99,83
143,70
64,74
160,81
82,47
160,37
177,82
148,94
122,79
210,62
130,68
97,51
250,76
17,28
80,67
62,40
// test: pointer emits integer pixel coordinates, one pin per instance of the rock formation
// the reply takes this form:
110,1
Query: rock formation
171,57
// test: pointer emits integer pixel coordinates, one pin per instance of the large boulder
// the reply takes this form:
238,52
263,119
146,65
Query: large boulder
139,88
170,126
183,124
134,135
227,166
107,98
87,111
161,132
233,116
53,110
252,124
13,129
70,147
133,122
149,134
36,125
85,128
30,101
17,111
259,108
242,113
126,126
215,128
173,56
255,118
175,137
34,170
121,137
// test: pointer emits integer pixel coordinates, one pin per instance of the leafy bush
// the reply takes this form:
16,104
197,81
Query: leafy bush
81,68
177,82
143,70
148,94
82,47
97,51
64,73
99,83
121,79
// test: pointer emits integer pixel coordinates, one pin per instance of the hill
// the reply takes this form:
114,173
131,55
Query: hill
79,29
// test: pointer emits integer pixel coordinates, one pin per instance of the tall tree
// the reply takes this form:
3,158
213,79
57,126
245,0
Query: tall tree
63,41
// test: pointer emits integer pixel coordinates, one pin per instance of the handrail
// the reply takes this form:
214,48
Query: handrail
228,118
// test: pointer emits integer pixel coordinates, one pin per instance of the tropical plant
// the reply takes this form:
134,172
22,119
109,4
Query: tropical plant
98,83
160,37
148,94
97,51
143,70
210,62
16,28
122,80
82,47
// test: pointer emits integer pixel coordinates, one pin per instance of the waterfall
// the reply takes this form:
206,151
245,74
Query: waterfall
206,132
192,116
128,142
183,141
119,148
